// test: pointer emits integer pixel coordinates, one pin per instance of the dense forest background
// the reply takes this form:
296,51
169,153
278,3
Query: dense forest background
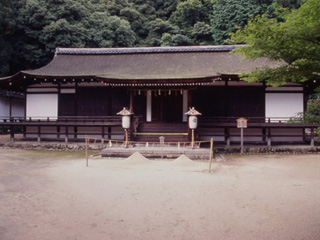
30,30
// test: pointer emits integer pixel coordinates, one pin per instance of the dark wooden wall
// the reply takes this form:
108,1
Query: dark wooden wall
93,101
229,101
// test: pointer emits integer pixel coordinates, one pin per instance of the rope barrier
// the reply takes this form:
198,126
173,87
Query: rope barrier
102,141
111,143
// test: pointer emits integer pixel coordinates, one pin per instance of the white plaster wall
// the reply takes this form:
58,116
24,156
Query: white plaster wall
42,105
283,104
4,107
17,107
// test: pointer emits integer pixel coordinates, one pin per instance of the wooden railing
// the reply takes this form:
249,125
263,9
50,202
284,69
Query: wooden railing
267,130
260,130
65,128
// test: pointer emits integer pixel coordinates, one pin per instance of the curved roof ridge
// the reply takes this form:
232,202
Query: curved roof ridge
132,50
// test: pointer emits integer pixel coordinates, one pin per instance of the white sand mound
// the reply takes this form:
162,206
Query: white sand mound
183,161
136,158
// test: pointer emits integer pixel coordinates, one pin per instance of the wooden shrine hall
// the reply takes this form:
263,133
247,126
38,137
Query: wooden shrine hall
81,90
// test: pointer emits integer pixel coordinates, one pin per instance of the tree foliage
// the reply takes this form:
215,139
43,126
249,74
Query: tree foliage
32,29
295,41
7,28
227,14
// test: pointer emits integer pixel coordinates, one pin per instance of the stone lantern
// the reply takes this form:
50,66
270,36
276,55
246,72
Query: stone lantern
126,122
193,122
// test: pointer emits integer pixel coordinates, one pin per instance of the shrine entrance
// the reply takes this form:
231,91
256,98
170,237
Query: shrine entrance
167,108
166,105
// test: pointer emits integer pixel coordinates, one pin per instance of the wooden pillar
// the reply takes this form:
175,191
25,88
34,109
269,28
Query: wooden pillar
304,135
10,106
226,97
58,131
39,134
131,136
11,133
103,130
59,99
76,100
66,135
264,132
109,102
75,133
131,101
185,105
269,137
149,106
227,136
312,138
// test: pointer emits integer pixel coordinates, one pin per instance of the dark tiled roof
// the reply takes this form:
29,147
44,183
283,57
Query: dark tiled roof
148,63
106,51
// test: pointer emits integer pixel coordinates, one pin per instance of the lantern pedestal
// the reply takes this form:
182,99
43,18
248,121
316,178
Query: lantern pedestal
193,124
126,124
193,144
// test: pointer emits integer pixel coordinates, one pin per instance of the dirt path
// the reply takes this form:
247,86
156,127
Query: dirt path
50,195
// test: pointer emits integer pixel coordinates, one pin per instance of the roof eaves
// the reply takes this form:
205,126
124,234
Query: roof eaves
137,50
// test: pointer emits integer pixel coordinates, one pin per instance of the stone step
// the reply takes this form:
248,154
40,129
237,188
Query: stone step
152,127
155,138
172,132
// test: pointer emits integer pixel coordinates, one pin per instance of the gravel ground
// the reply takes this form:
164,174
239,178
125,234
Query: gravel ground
52,195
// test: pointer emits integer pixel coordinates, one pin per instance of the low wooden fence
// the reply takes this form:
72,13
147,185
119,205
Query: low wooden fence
259,130
63,128
223,130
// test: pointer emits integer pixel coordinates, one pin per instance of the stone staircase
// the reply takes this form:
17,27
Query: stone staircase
172,132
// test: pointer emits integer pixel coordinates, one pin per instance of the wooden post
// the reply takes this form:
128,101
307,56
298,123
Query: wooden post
269,138
126,138
264,134
103,130
66,135
109,132
87,156
75,132
58,131
211,154
161,144
241,129
227,136
192,138
12,133
131,101
312,138
39,134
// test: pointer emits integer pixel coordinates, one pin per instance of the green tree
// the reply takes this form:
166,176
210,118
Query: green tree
114,6
164,9
175,40
202,33
189,12
43,25
289,3
7,29
135,18
294,41
156,29
227,14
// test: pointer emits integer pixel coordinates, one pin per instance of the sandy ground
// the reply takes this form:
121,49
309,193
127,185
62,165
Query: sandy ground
52,195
